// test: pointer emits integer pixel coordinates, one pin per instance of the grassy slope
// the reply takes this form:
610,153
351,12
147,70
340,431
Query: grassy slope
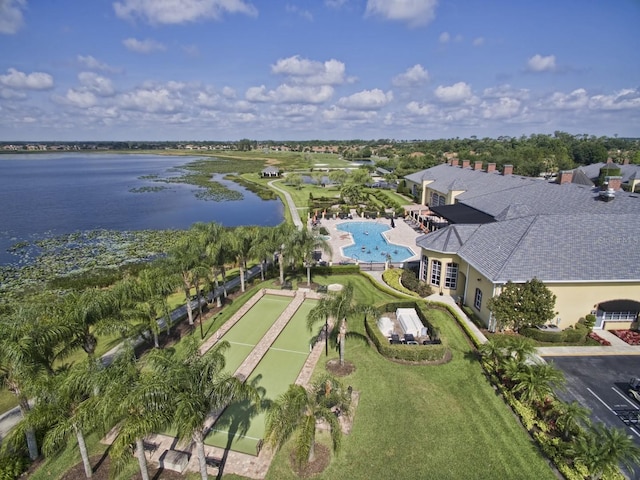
427,421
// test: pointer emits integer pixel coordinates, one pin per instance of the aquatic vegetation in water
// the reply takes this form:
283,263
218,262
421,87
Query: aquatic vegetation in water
147,189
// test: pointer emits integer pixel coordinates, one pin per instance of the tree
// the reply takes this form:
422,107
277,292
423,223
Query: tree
148,295
296,412
197,385
294,179
30,343
184,258
535,383
135,401
523,304
602,449
69,409
305,243
339,306
570,416
241,240
284,236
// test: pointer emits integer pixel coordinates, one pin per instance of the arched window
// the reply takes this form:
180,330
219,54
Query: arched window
451,276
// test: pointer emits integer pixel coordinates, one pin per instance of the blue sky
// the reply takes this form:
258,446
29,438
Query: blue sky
317,69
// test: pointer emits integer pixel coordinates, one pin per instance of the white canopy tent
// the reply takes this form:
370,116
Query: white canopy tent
409,321
386,326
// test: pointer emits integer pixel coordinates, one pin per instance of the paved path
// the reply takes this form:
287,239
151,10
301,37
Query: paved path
295,215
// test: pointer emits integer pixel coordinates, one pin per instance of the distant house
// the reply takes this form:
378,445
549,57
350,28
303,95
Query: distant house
271,172
485,228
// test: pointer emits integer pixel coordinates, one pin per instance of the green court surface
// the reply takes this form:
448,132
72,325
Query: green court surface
250,329
241,427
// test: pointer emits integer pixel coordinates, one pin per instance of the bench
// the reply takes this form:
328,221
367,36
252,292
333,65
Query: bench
213,462
321,289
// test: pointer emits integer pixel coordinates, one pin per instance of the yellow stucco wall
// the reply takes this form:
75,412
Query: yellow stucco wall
573,300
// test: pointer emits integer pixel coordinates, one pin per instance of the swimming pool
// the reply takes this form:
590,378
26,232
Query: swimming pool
370,245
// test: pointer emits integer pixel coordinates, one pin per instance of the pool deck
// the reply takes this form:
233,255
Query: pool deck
402,235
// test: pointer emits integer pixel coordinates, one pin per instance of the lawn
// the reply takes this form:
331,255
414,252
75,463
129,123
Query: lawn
412,421
427,421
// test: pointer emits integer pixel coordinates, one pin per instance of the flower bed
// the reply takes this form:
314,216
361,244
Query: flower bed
629,336
599,339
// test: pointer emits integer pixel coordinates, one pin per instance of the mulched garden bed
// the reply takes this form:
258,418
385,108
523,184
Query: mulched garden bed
632,337
307,470
334,368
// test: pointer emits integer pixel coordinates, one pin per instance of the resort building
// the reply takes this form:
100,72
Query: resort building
484,228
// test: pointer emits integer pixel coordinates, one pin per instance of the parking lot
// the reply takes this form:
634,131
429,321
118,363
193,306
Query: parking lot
601,384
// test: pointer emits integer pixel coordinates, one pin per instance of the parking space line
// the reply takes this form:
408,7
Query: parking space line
625,398
601,401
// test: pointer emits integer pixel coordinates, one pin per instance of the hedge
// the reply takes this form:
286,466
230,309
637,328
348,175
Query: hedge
569,335
335,270
411,353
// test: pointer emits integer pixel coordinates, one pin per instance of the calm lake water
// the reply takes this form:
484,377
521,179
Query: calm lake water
53,194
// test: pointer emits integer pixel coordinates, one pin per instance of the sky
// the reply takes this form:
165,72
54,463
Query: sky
218,70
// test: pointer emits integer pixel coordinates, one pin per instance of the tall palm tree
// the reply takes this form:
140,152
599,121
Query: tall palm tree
241,241
30,343
339,306
305,244
602,449
263,248
284,236
184,258
134,400
212,237
68,408
198,385
296,412
535,383
570,417
147,295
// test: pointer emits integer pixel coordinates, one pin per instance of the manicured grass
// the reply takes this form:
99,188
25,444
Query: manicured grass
441,422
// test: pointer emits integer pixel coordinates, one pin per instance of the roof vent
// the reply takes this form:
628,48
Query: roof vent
608,194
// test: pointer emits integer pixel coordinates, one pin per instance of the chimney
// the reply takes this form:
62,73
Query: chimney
454,162
465,163
507,170
565,177
491,167
477,165
613,183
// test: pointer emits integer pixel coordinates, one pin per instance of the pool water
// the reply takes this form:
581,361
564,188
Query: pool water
370,245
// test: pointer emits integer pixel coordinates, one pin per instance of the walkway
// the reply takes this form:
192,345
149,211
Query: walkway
295,216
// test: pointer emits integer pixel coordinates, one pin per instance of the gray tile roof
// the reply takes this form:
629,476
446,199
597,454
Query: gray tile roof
551,248
447,240
627,172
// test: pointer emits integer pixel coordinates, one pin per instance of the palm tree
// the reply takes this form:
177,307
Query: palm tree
284,238
241,240
493,352
602,449
134,400
213,237
263,248
520,348
339,306
536,383
68,409
148,295
570,416
305,244
297,410
198,386
184,258
30,342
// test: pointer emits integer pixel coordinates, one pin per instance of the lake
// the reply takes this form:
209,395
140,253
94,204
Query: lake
45,195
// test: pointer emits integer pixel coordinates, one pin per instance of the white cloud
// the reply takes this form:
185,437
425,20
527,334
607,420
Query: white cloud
311,72
506,91
456,93
92,63
159,99
22,81
11,19
180,11
502,108
290,94
444,37
366,100
229,92
143,46
414,12
79,98
412,77
575,100
337,114
479,41
335,3
622,100
306,14
425,109
538,63
97,84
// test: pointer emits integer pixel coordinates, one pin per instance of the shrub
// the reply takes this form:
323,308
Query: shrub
392,278
410,281
12,466
589,321
324,231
